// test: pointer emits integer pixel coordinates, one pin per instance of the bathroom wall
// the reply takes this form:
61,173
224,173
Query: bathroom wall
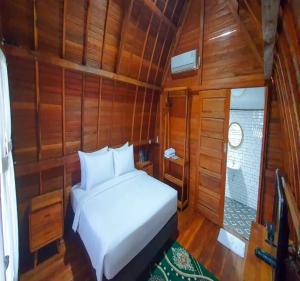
242,183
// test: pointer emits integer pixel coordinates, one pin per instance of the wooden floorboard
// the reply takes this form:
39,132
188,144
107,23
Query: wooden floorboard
197,234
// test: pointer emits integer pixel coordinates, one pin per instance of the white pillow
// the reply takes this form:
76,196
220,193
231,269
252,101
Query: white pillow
123,160
99,168
82,163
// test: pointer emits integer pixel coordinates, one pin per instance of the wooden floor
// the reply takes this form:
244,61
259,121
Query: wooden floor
196,234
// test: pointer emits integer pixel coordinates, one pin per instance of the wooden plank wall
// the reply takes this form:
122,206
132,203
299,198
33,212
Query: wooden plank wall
226,61
229,62
67,111
287,87
128,38
274,155
83,74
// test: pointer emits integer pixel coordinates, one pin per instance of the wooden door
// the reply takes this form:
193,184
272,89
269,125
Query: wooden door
212,153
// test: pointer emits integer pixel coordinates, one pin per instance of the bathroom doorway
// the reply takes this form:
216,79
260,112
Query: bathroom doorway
244,150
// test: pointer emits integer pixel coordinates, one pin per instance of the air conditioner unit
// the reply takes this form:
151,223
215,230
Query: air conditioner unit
184,62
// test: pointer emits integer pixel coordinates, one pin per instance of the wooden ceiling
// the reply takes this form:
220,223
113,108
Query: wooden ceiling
131,38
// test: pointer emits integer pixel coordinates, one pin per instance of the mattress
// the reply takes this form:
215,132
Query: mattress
117,219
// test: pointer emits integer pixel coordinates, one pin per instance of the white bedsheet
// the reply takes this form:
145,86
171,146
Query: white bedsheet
117,219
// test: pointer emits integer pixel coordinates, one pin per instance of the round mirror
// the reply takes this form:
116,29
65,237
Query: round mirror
235,135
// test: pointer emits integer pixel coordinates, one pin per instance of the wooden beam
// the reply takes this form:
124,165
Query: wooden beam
150,114
270,11
133,115
155,42
144,46
82,111
35,28
63,40
86,30
176,40
296,9
104,34
245,32
99,111
37,108
63,99
201,40
151,5
50,59
125,22
251,8
163,46
142,115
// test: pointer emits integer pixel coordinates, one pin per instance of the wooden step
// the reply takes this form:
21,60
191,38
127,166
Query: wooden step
173,179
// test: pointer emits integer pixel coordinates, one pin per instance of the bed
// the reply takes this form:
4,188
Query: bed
124,222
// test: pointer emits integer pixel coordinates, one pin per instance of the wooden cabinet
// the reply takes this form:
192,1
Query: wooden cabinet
146,166
45,221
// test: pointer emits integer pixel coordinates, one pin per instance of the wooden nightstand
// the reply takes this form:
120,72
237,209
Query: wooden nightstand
45,221
146,166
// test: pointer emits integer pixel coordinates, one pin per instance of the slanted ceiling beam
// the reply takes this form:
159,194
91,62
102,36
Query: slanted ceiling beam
151,5
63,43
234,11
254,9
125,23
270,11
176,40
155,42
54,60
86,30
296,8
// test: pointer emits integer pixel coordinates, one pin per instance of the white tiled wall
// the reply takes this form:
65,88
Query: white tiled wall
242,184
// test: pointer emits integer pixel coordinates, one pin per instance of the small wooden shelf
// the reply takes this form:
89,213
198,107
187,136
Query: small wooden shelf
173,179
179,161
175,118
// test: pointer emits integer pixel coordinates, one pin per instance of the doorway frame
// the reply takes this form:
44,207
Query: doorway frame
263,156
259,210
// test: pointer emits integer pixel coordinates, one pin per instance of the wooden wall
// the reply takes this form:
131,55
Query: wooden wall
233,61
287,87
82,74
226,61
55,113
274,153
129,38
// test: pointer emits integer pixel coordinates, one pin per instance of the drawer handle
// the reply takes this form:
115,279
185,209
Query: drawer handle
47,216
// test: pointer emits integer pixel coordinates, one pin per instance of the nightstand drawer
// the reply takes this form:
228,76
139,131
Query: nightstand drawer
45,225
47,214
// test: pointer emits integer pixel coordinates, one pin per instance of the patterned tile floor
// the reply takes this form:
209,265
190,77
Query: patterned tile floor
238,217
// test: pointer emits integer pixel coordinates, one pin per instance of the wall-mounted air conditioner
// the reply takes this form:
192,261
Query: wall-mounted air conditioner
184,62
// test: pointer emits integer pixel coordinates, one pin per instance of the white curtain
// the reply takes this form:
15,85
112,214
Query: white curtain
7,177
